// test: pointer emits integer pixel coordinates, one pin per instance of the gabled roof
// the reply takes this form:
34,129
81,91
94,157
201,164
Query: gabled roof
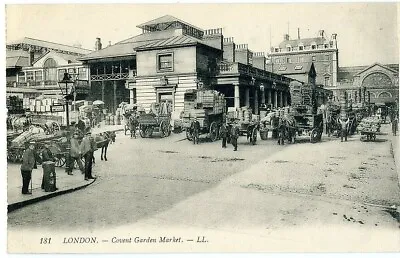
17,61
183,40
165,19
66,57
376,64
50,45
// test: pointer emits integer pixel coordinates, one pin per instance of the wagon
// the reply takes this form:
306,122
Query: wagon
157,120
208,107
309,125
249,125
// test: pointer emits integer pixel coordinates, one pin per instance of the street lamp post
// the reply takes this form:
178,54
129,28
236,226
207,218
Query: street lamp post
67,96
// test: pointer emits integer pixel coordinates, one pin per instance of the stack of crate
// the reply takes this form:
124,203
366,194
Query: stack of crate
343,105
306,93
295,93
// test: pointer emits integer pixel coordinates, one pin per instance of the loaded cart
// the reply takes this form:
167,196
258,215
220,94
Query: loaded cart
208,107
307,122
157,120
368,128
249,124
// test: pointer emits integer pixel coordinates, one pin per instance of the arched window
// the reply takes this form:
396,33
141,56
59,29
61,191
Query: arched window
385,94
377,80
50,70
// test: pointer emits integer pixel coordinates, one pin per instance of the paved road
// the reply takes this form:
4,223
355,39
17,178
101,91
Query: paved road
142,177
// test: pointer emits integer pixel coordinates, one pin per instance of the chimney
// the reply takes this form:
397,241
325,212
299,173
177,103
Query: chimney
321,33
298,33
97,45
229,47
286,37
31,56
109,43
214,37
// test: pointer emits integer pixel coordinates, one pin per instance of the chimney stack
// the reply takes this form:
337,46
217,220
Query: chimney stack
286,37
31,56
298,33
321,33
109,43
98,44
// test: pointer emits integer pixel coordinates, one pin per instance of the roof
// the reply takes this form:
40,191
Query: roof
305,42
346,74
165,19
303,68
66,57
51,45
183,40
17,61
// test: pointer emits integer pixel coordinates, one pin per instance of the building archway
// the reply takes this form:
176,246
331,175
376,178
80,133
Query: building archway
377,80
384,94
50,70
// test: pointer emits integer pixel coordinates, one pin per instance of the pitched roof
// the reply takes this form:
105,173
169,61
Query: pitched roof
302,68
165,19
66,57
183,40
50,45
17,61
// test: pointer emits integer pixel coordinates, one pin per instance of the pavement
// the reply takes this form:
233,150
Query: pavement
65,183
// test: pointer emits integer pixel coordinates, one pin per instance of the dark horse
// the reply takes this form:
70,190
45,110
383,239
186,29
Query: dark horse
103,140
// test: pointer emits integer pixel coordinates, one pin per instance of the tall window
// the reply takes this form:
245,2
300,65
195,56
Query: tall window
30,76
165,62
326,82
288,60
21,77
61,74
277,60
82,73
50,70
38,76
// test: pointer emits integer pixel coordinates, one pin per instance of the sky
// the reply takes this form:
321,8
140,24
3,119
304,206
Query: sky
367,32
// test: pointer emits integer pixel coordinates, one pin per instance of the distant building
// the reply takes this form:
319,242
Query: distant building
293,56
376,83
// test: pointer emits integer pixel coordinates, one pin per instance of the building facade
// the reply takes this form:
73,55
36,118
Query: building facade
295,55
377,83
172,56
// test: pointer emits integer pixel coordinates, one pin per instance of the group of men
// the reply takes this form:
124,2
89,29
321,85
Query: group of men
84,147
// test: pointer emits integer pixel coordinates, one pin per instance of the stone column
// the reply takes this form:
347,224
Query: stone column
256,101
262,97
115,96
247,97
269,96
276,98
102,90
285,99
237,96
281,99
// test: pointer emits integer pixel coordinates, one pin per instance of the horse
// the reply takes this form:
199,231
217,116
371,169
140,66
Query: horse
102,142
20,123
133,125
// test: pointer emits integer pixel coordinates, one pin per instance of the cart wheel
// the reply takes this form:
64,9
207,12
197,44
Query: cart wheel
254,136
189,135
142,131
213,131
164,129
148,131
60,161
314,136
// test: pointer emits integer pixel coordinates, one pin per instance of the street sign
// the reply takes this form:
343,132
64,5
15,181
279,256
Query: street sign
57,108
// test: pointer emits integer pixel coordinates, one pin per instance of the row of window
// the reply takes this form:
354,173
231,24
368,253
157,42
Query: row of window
299,59
52,74
301,47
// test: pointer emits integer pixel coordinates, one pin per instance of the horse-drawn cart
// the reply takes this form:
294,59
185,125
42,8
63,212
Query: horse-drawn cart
208,107
248,124
157,120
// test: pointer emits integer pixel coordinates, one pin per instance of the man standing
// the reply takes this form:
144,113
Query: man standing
88,147
343,126
281,132
223,134
47,155
234,135
394,124
195,128
75,153
28,164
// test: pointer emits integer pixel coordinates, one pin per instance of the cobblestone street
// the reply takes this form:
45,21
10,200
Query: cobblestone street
162,183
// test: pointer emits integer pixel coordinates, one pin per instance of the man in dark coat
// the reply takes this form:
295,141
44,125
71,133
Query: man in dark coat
234,135
195,128
47,155
28,164
223,134
281,132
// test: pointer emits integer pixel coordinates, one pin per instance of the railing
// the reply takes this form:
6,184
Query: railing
232,68
114,76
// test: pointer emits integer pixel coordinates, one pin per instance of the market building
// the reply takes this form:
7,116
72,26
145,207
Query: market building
377,83
293,56
172,56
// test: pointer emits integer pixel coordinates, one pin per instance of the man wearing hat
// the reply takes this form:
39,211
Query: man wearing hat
195,128
223,134
234,133
28,164
88,147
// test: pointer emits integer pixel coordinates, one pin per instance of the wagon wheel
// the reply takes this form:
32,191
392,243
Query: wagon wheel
189,135
314,135
60,160
148,132
213,131
142,129
164,129
253,137
56,127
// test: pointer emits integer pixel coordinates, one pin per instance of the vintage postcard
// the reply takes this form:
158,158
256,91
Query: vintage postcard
177,128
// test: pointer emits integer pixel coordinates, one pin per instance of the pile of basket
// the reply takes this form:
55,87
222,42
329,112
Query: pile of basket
369,124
